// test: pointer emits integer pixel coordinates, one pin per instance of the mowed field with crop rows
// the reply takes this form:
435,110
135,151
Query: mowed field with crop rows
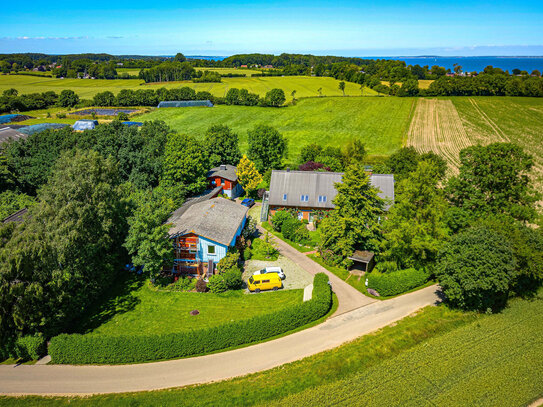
305,86
446,125
494,362
381,123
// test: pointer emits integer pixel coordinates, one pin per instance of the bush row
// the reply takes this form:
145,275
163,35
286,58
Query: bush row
397,282
82,349
26,348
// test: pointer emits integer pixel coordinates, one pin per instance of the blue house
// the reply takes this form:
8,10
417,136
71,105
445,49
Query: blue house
203,232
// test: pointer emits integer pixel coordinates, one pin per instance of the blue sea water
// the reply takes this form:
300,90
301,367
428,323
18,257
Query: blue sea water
471,64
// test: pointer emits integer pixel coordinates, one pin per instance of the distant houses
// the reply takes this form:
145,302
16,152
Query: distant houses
226,177
312,191
203,232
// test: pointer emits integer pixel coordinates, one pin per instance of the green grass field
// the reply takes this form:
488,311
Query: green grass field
381,123
138,309
87,88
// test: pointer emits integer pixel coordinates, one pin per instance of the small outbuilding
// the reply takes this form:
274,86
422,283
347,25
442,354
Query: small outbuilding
186,103
363,262
81,125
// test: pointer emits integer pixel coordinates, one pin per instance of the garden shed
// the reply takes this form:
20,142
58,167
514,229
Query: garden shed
81,125
363,262
186,103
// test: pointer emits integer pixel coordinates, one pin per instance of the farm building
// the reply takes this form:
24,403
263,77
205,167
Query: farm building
81,125
203,232
7,134
225,176
186,103
309,191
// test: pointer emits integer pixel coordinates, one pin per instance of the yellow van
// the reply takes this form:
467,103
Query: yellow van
268,281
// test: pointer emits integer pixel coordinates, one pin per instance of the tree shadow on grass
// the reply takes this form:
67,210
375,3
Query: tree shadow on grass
117,300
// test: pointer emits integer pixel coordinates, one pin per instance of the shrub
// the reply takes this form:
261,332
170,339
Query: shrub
247,253
228,262
122,116
262,250
61,115
279,218
475,269
396,282
217,284
30,347
302,234
233,279
289,228
80,349
201,286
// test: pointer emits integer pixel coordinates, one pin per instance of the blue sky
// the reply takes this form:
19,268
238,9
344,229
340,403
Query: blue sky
358,28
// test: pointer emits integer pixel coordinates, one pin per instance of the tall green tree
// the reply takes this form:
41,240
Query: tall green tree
67,251
475,269
148,242
354,222
495,179
267,147
414,230
68,98
186,163
222,145
341,87
275,98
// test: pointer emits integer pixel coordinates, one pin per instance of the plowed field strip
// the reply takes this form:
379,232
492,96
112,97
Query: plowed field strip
436,126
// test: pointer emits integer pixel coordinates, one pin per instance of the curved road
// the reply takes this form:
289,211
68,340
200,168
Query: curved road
357,315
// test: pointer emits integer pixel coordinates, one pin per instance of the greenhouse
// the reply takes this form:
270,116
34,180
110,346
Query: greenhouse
186,103
36,128
85,125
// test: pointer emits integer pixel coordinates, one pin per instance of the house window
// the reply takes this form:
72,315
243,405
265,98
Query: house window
210,249
304,198
284,197
322,198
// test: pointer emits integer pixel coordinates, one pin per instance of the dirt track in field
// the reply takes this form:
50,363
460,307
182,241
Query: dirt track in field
437,127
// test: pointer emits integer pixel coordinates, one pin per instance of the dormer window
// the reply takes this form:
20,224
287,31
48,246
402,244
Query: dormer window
304,198
285,197
322,198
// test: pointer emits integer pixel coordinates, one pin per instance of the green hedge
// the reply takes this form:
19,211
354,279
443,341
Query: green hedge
103,349
30,347
397,282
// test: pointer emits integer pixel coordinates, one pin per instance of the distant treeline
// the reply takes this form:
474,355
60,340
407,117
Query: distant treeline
11,101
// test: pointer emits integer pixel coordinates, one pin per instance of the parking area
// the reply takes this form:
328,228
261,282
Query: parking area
296,277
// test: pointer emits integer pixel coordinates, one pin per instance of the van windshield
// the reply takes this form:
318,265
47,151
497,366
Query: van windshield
251,280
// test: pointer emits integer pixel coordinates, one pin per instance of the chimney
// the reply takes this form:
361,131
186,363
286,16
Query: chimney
288,169
223,167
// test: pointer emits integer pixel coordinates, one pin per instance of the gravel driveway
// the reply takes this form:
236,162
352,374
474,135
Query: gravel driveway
296,277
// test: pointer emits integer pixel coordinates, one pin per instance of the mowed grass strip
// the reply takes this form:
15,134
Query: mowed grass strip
292,378
305,86
495,361
134,307
380,123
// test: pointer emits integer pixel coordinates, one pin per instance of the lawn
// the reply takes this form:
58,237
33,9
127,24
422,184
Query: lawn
135,307
86,88
439,357
381,123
